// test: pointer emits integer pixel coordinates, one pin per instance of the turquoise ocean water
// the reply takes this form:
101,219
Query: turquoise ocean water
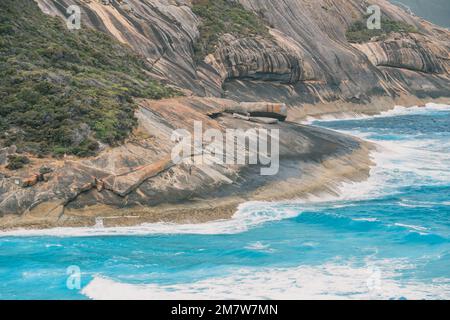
385,238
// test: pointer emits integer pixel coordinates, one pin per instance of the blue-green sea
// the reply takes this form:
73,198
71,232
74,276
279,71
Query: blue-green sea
384,238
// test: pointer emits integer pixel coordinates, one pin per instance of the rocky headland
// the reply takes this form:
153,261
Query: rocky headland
299,56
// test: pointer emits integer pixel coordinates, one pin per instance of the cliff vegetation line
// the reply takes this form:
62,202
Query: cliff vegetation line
359,33
64,91
224,16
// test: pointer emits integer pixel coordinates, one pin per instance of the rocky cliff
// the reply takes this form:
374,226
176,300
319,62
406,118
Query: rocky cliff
138,182
304,60
307,58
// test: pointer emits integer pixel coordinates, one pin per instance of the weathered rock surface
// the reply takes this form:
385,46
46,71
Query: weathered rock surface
141,174
411,52
306,60
260,109
342,72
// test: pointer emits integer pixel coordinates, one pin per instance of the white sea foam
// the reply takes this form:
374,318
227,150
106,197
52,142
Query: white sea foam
400,164
400,110
365,219
397,165
259,246
248,215
412,227
374,280
419,204
53,245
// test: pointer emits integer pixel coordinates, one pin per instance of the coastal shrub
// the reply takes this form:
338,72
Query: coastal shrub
16,162
45,170
63,91
224,16
359,33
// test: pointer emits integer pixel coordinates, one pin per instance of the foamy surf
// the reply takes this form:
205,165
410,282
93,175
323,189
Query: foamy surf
398,164
249,215
396,111
392,162
375,280
384,238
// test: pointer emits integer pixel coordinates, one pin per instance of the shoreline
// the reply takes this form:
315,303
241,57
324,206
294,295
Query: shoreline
343,110
322,179
347,164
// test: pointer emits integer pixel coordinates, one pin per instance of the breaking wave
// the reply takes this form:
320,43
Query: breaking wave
375,280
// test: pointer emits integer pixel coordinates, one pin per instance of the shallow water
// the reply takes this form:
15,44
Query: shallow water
388,237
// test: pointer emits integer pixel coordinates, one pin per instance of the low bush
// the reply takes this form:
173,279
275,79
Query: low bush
64,91
16,162
360,33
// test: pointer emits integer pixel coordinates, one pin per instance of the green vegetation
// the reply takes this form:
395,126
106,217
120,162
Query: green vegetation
359,33
65,91
224,16
16,162
436,11
45,170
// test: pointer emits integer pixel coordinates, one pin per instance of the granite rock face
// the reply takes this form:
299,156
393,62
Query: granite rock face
410,52
307,58
339,71
163,31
